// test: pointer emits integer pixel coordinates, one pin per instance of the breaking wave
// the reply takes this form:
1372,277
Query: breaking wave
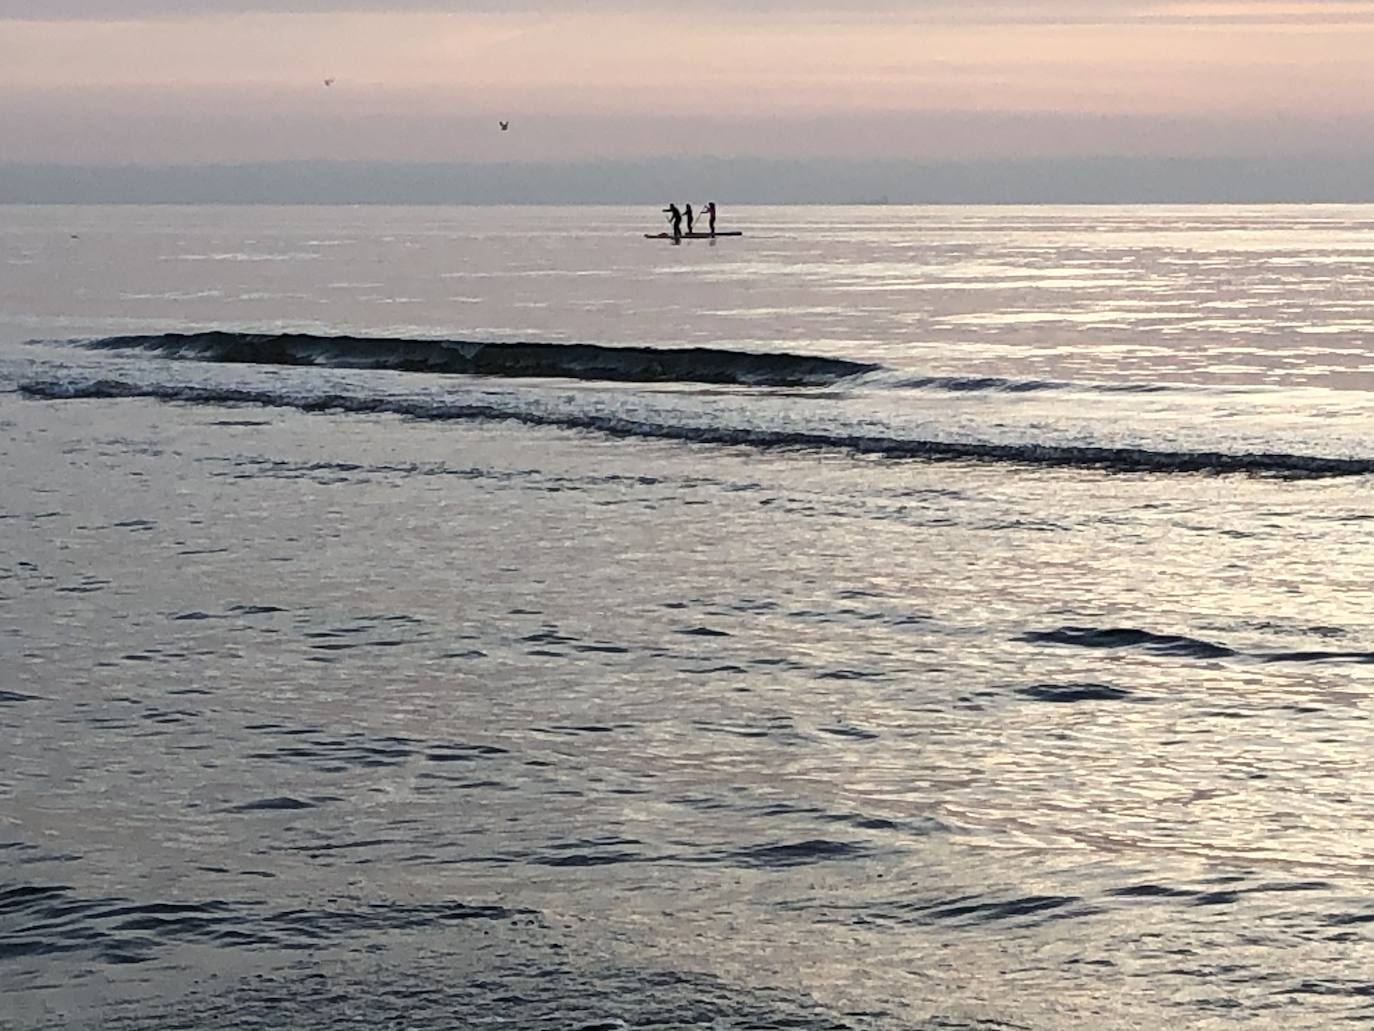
491,358
1118,459
982,384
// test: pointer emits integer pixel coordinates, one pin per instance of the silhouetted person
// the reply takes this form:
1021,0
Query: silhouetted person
688,215
675,217
711,213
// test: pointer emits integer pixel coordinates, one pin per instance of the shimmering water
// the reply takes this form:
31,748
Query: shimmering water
1021,681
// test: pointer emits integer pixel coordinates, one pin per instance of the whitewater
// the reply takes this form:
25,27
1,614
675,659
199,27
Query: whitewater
890,618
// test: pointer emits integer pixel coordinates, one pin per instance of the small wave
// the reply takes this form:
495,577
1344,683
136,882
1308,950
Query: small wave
14,697
968,384
799,853
491,358
1173,644
978,910
1130,637
53,919
1084,692
1320,656
537,993
1114,459
277,803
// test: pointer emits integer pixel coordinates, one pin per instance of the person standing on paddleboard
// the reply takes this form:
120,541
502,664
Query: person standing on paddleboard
675,217
688,215
710,208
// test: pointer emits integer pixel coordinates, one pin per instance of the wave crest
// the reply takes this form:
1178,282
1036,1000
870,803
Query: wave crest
492,358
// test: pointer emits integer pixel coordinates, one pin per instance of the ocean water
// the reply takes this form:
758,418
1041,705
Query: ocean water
489,618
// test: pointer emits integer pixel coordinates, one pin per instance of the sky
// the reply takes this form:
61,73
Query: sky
156,82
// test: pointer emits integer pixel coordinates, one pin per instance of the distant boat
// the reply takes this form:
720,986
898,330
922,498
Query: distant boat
692,236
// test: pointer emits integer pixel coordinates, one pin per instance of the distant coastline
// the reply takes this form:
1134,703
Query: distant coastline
735,181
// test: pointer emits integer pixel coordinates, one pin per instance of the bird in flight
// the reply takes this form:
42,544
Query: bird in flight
329,82
504,125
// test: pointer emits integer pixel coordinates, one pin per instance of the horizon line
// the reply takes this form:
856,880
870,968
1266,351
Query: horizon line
738,181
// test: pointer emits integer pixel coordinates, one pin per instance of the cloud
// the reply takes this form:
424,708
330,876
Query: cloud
228,125
428,83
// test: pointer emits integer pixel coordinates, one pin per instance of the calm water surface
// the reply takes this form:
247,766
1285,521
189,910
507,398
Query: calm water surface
1016,676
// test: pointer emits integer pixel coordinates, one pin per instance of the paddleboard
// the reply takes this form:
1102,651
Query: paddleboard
691,236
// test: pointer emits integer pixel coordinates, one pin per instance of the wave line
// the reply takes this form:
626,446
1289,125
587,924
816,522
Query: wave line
1116,459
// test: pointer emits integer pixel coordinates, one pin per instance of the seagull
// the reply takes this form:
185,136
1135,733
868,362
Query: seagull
329,82
504,125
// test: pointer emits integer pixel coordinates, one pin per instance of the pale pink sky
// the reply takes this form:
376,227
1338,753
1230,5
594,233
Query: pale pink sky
923,79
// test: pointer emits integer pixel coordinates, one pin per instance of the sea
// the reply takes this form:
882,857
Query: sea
890,618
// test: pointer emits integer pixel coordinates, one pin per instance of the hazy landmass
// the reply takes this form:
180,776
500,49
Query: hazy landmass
734,181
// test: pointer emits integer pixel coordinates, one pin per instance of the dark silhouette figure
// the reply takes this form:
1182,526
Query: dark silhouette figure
687,214
675,217
711,214
504,125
